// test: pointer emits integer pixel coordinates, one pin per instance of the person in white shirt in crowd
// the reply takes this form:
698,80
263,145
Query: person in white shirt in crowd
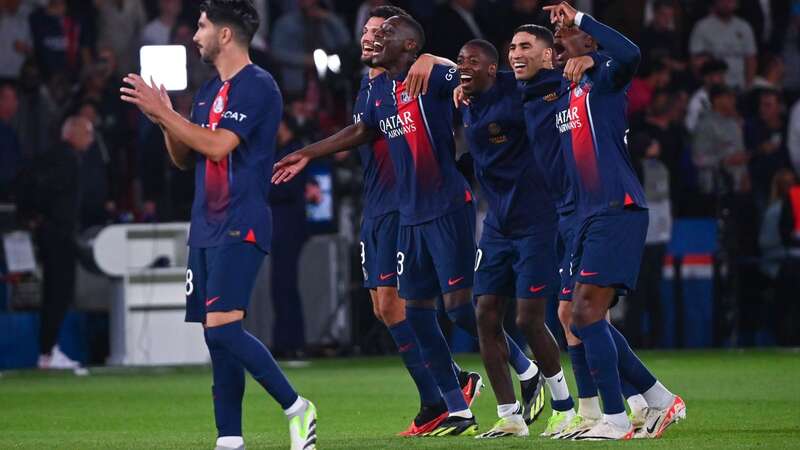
729,37
713,73
157,31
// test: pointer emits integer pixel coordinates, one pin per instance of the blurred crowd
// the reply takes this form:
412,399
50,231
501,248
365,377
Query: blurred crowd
715,125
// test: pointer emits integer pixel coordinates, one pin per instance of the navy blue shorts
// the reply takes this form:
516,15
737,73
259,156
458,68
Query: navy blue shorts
220,279
608,248
379,250
567,226
521,267
436,257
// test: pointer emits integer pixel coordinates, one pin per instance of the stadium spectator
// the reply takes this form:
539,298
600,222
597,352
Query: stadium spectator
504,20
768,19
771,71
712,73
790,52
15,39
157,31
662,124
295,37
50,201
773,250
453,24
288,203
652,75
40,107
646,298
59,40
10,151
660,39
718,146
765,137
119,23
727,36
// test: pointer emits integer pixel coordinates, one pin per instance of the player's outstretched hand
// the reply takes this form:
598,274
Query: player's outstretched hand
563,14
459,98
576,67
288,167
419,74
149,98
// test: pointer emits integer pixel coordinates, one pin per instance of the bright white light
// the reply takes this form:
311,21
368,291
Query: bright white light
334,63
166,64
321,61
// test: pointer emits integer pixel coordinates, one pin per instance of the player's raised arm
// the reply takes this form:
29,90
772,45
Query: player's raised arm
625,55
420,73
214,144
349,137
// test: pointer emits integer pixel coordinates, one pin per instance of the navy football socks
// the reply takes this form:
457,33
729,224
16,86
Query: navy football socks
227,391
435,352
409,349
630,366
602,358
464,317
583,377
255,357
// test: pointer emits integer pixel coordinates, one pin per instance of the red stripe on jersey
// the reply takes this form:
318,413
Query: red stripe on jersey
380,148
794,198
426,167
583,146
217,184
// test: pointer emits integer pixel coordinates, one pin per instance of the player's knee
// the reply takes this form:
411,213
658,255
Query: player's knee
391,308
565,314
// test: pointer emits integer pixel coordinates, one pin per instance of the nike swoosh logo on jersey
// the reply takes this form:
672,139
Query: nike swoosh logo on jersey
536,289
560,379
454,281
211,301
405,348
201,103
566,291
588,274
386,276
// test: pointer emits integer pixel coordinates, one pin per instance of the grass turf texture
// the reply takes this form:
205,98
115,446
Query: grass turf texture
735,399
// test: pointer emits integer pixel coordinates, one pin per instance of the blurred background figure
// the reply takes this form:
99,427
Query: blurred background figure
643,307
157,31
119,23
288,203
16,43
51,201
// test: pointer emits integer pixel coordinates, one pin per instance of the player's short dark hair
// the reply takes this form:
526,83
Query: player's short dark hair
240,15
486,47
416,29
539,32
718,90
387,11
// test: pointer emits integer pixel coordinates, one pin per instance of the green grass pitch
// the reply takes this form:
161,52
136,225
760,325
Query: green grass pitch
735,399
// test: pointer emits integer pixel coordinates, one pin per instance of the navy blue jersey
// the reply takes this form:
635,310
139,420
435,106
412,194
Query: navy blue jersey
540,95
231,197
591,119
505,167
379,177
420,136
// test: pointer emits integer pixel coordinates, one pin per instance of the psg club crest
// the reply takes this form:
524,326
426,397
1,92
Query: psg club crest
219,104
404,97
578,91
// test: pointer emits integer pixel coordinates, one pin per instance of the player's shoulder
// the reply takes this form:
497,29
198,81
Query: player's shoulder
255,81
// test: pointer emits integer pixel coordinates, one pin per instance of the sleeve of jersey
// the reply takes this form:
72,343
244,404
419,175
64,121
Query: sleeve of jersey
366,100
248,107
444,79
625,55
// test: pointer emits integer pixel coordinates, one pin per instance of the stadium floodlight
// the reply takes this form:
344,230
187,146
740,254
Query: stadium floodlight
334,63
321,61
166,64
